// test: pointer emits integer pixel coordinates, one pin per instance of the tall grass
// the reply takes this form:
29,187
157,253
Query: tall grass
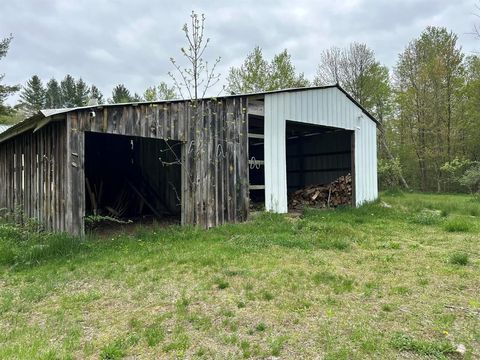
23,246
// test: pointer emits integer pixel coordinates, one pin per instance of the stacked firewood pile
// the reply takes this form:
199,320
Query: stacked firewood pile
338,192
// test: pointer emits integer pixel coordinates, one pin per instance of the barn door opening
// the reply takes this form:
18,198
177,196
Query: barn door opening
319,166
256,153
132,179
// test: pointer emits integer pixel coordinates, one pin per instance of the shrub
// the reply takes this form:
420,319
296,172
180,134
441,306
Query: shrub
471,178
459,258
454,170
389,173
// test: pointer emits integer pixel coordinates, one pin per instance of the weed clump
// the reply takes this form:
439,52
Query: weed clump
261,327
428,217
404,342
459,258
333,244
457,224
113,351
339,283
222,283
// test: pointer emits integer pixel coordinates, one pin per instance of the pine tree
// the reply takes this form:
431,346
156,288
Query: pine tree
82,93
95,95
69,92
53,95
136,98
120,94
32,96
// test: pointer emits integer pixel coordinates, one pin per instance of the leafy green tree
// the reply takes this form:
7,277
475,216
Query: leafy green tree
251,76
282,73
429,84
471,178
95,95
53,95
160,92
150,94
69,92
5,90
82,93
120,94
257,74
165,92
470,133
32,96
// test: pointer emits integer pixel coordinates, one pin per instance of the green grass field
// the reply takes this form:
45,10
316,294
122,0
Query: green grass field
396,279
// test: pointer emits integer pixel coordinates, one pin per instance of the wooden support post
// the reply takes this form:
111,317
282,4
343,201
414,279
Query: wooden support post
75,182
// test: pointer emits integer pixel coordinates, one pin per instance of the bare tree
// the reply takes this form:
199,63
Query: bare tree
350,67
360,74
192,82
199,76
476,27
328,71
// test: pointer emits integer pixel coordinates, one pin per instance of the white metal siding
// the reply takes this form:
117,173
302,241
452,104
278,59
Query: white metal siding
328,107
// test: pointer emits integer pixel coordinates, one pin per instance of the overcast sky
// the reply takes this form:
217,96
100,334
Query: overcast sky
130,42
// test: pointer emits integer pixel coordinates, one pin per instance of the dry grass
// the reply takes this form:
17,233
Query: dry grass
373,282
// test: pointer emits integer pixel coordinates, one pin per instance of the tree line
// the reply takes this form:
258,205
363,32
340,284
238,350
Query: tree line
69,93
428,104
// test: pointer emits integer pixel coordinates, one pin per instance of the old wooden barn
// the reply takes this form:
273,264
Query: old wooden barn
202,162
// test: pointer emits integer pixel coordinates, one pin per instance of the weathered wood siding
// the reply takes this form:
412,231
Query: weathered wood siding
42,174
32,177
160,121
214,164
75,175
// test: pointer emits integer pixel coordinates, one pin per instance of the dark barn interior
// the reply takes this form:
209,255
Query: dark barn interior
132,178
316,154
256,159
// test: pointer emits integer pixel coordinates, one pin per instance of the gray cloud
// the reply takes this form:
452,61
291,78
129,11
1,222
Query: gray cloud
111,42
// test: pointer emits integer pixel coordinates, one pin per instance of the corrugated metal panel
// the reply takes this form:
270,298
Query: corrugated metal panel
327,107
